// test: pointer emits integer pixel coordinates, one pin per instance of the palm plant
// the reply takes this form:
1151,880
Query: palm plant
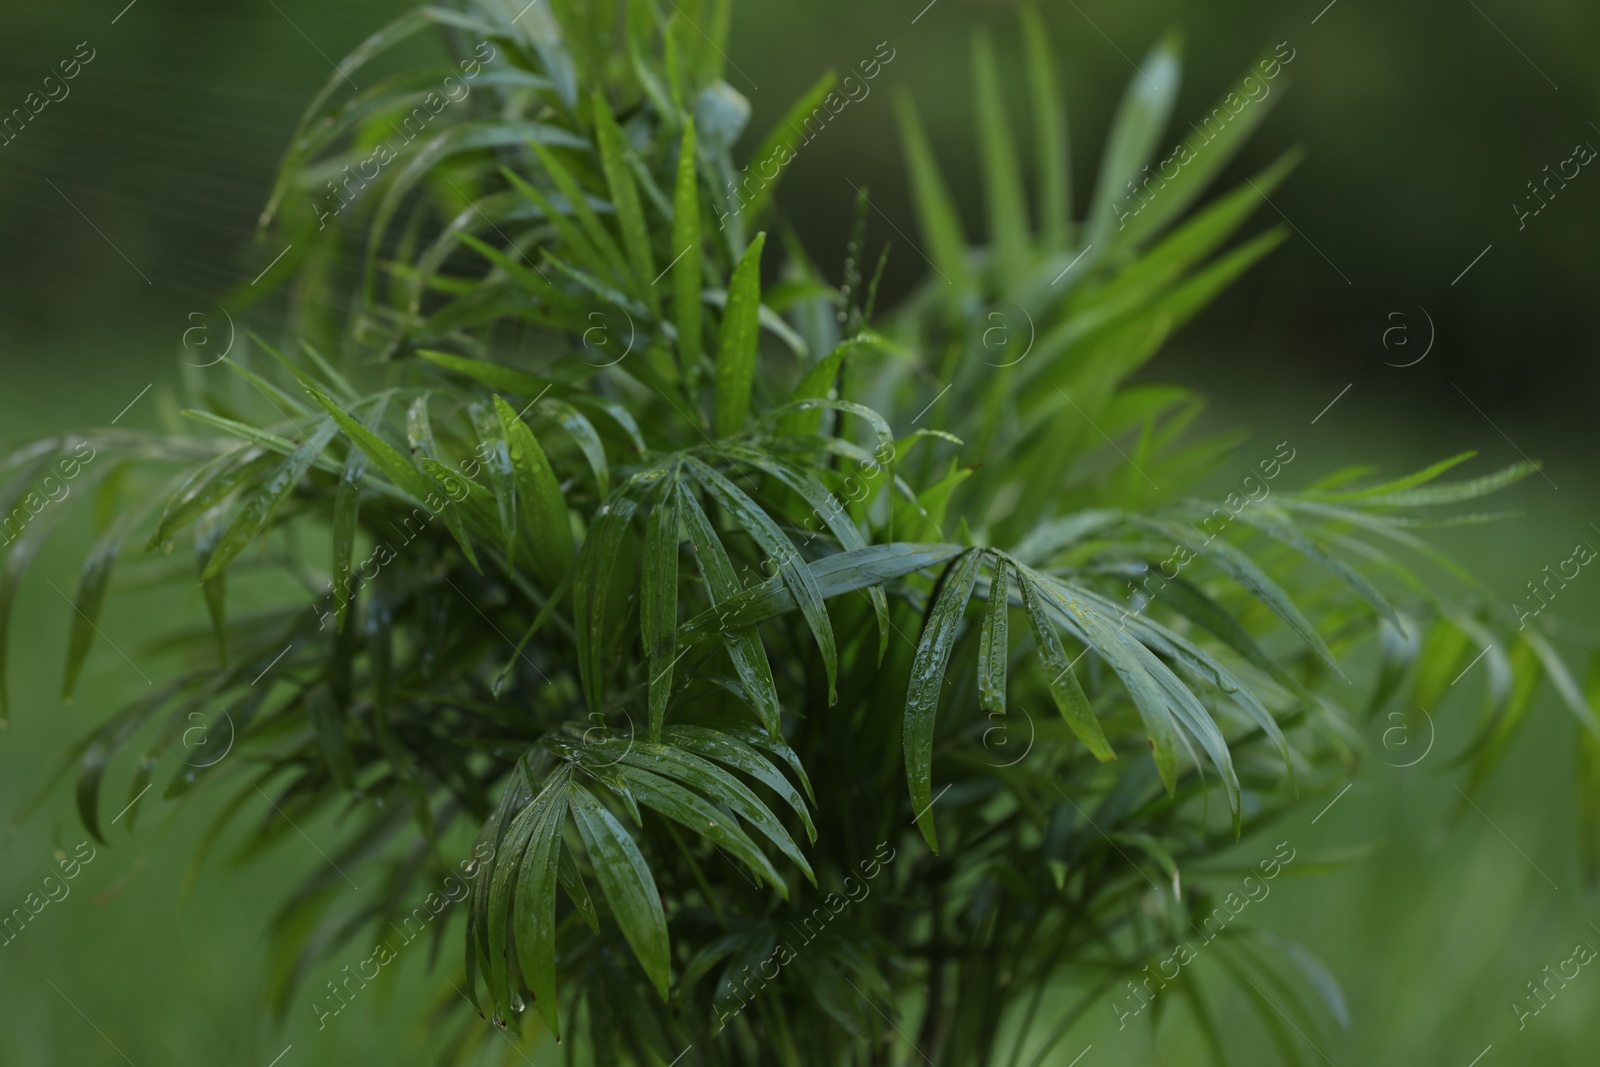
724,615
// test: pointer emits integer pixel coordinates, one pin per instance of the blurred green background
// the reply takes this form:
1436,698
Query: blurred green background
129,206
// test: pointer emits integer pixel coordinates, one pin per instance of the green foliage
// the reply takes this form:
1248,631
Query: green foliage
754,537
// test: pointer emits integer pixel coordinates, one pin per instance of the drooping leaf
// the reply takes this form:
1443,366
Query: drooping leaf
258,510
91,595
928,682
722,585
658,598
1068,694
629,888
993,641
536,902
794,570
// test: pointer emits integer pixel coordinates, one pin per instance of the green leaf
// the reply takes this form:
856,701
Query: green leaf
258,510
618,414
395,466
736,352
1437,663
1141,117
1069,696
328,720
826,507
577,892
1455,492
537,871
454,141
692,811
1052,143
993,642
936,213
1288,534
794,570
629,888
1233,562
598,236
584,435
398,469
205,489
723,788
1410,481
658,599
23,549
686,249
592,587
496,455
1200,663
781,142
508,855
1217,138
1002,176
845,572
730,751
214,592
927,684
269,441
529,279
544,509
625,198
743,643
347,507
91,595
1133,664
1561,679
499,378
574,239
1586,750
819,382
1193,604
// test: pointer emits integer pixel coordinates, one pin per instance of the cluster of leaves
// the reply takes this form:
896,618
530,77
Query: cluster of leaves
624,554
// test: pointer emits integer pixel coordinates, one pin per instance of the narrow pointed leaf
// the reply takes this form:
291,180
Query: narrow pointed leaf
936,213
794,570
496,455
730,751
686,247
736,350
1002,176
544,509
744,646
625,198
584,435
927,685
1069,696
258,510
688,809
536,904
1051,139
1140,120
993,642
658,599
628,885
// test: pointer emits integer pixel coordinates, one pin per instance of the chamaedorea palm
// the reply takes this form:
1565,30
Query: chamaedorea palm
631,575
